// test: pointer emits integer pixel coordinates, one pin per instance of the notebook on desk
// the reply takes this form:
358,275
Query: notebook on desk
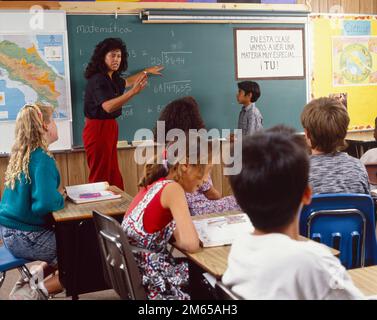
91,192
223,230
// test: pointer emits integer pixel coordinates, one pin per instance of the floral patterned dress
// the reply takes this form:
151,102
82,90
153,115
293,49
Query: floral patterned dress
162,276
199,204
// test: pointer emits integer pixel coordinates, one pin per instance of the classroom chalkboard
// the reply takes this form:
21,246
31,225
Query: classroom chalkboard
199,61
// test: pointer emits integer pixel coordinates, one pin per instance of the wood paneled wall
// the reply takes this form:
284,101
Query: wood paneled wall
323,6
74,170
343,6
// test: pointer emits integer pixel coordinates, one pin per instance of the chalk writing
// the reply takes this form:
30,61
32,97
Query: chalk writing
175,87
170,58
127,111
111,28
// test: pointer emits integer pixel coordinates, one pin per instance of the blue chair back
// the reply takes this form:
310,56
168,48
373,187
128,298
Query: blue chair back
345,222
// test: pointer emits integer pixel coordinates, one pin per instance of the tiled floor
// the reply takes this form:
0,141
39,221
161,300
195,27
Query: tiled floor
13,275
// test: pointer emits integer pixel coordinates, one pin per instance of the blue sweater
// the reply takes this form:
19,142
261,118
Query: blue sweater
27,206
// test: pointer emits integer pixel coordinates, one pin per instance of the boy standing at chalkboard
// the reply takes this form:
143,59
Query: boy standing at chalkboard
250,119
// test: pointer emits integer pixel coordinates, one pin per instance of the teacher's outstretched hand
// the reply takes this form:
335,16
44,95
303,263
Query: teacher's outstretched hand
140,83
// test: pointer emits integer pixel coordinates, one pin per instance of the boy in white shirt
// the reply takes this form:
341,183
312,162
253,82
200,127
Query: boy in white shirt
271,262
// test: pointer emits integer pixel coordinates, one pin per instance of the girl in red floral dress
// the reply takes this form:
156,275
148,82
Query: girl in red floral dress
159,214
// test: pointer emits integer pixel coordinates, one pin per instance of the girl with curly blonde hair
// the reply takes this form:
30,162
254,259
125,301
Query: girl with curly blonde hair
31,194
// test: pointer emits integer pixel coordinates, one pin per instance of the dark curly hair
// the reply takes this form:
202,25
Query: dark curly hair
97,61
182,113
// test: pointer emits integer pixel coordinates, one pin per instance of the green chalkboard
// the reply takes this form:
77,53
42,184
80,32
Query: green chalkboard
199,61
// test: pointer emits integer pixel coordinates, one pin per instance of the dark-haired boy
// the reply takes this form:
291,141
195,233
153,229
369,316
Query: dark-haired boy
250,119
271,262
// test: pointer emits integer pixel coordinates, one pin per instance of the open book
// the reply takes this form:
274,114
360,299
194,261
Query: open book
219,231
91,192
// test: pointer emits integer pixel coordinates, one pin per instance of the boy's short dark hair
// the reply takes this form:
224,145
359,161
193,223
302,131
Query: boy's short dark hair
250,87
274,176
297,137
326,121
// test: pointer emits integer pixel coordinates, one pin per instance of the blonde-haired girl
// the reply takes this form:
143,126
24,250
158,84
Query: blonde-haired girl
159,214
30,195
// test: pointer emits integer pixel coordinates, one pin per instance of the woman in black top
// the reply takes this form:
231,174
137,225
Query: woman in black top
104,97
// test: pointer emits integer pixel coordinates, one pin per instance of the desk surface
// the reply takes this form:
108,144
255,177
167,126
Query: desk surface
365,279
364,136
215,259
74,211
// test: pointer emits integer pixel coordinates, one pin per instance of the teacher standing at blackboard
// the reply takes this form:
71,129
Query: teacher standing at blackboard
104,97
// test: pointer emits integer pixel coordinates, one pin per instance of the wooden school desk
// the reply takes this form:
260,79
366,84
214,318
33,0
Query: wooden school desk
361,141
79,260
214,260
365,279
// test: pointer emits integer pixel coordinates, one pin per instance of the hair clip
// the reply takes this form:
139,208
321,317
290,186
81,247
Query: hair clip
165,164
164,154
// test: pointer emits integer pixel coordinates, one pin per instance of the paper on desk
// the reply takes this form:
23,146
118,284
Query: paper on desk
219,231
91,192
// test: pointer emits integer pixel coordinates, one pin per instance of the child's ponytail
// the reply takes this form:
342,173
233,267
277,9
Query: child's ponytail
195,151
154,170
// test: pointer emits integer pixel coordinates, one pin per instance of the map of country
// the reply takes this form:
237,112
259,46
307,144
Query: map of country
32,70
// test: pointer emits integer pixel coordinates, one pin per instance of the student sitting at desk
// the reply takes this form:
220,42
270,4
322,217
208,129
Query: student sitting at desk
159,214
30,195
184,114
271,263
370,157
325,121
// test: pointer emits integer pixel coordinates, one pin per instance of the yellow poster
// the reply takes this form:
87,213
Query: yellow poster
344,63
354,61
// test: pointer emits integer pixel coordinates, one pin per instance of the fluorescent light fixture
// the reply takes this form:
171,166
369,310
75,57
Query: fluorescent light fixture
221,16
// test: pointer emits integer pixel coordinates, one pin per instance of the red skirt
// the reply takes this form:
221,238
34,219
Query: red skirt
100,142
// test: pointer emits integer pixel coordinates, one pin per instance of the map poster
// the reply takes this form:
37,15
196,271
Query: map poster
33,69
354,61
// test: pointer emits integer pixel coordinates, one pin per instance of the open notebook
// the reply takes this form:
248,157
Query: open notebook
91,192
219,231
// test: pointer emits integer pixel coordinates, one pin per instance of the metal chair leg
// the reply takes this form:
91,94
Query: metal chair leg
25,272
2,278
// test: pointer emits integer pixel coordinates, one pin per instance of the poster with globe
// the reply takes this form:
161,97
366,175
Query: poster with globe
354,61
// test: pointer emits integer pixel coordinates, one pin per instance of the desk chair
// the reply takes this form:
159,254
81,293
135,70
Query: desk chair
345,222
9,262
224,293
120,267
372,173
